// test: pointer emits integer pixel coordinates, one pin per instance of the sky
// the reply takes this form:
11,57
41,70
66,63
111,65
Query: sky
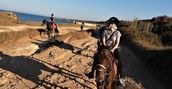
95,10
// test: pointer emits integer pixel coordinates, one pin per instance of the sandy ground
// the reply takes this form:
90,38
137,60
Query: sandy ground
18,28
23,27
38,63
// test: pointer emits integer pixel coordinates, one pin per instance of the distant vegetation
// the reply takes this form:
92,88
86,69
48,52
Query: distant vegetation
154,29
150,40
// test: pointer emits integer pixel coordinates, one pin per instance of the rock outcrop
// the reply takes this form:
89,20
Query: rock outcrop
8,18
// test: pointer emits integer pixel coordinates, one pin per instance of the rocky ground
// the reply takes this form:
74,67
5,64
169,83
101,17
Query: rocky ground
40,63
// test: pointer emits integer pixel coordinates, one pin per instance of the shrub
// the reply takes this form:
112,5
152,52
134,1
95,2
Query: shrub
143,38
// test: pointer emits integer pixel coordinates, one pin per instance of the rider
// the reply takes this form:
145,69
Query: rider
52,19
109,37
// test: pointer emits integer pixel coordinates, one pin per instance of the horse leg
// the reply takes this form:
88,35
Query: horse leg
56,30
44,32
40,33
53,33
48,33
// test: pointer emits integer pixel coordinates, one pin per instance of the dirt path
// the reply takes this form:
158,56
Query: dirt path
37,63
51,66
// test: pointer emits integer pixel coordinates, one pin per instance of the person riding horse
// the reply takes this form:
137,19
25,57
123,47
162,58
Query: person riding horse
51,26
52,19
109,37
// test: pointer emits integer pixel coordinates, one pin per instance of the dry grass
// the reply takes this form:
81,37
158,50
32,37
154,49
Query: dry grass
141,25
143,38
161,25
150,48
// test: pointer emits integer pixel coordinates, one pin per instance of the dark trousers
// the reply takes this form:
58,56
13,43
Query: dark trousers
118,62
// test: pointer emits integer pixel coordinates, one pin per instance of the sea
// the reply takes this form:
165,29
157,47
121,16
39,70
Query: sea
37,18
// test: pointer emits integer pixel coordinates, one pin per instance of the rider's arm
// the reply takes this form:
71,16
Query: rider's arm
117,41
103,38
104,41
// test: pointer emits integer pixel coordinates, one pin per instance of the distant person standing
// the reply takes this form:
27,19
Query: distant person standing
82,26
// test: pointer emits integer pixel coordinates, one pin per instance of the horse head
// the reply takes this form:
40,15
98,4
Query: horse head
104,67
44,22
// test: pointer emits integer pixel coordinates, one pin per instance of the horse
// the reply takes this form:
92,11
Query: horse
106,69
51,27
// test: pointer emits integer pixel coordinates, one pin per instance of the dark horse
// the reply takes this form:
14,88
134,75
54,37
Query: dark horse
51,27
106,69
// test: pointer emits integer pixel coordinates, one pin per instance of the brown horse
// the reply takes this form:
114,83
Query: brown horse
51,27
106,69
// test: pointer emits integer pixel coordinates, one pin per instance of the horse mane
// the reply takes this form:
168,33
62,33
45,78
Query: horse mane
105,54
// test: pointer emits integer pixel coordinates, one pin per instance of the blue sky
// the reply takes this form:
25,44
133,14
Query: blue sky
92,9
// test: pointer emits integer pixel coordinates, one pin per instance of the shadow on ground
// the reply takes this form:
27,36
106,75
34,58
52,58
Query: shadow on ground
30,69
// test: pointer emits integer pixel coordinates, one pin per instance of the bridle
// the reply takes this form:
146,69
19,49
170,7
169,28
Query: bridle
106,70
